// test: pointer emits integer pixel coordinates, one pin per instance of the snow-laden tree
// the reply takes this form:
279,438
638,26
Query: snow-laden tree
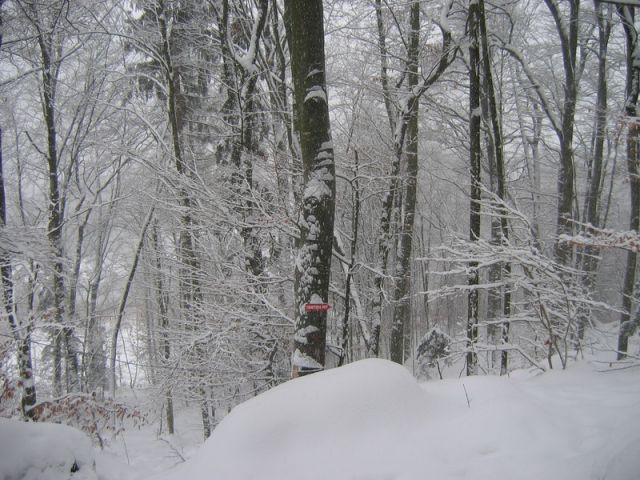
305,35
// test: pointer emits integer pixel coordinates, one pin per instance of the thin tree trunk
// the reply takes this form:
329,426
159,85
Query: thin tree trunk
475,192
399,121
402,291
55,214
21,335
596,171
163,314
384,236
282,124
568,34
75,384
496,136
245,148
123,303
190,285
355,221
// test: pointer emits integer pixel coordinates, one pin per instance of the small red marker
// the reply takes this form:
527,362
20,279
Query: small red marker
316,307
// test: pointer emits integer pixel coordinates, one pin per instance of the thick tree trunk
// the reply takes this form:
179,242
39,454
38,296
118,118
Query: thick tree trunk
628,326
305,33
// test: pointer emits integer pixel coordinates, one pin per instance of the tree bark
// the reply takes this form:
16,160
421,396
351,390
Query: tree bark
592,205
162,300
402,290
355,222
501,190
305,34
628,326
21,334
568,34
475,189
49,79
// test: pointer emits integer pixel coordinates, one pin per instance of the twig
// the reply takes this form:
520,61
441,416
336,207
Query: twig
173,449
466,394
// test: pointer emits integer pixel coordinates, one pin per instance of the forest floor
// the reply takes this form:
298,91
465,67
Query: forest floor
372,421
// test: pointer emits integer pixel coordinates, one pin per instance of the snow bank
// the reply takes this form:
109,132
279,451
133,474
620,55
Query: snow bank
44,451
327,425
371,421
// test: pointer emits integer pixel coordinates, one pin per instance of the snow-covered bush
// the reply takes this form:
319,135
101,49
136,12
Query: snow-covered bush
432,349
44,451
93,416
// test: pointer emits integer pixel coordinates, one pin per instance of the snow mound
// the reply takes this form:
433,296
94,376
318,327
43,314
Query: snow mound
371,421
624,464
44,451
313,427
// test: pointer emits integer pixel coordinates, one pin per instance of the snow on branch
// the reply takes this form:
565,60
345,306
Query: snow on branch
535,84
247,60
604,238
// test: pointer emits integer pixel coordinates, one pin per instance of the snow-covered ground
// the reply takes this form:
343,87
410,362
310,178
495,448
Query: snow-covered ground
44,451
372,421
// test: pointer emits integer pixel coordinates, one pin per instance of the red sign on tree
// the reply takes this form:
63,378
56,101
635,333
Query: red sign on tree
316,307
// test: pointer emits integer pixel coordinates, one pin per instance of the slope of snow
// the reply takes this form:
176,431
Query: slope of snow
44,451
372,421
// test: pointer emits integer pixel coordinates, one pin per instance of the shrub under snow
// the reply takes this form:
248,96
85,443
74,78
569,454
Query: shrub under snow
44,451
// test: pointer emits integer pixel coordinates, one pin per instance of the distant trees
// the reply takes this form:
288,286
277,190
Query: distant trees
53,122
402,93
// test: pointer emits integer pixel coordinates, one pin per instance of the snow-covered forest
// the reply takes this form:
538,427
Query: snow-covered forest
200,200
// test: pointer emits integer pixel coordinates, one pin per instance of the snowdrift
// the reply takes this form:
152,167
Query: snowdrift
371,421
44,451
315,427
